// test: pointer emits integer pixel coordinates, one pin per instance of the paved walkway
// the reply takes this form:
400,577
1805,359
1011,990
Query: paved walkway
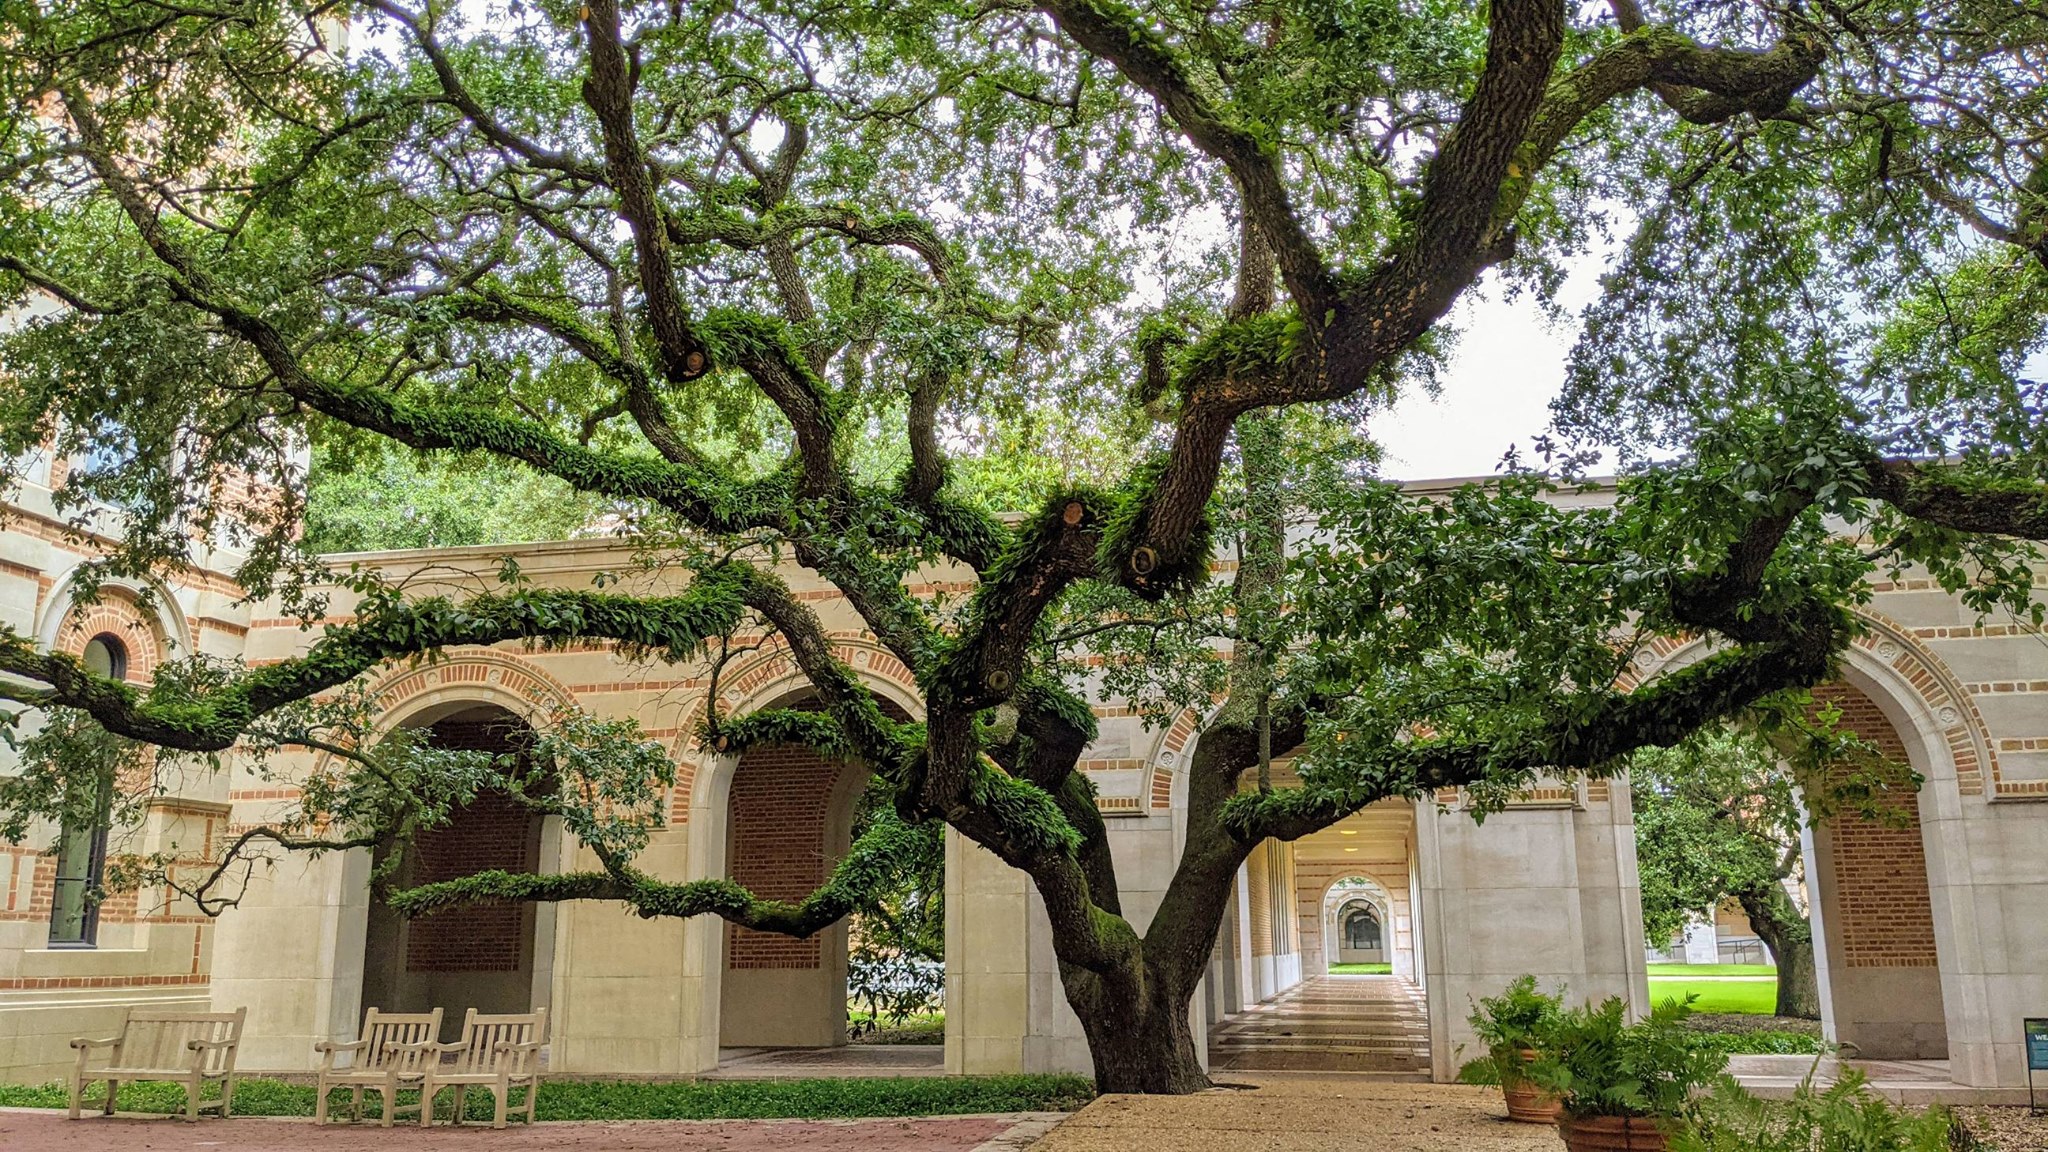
1298,1113
1915,1082
25,1130
1376,1024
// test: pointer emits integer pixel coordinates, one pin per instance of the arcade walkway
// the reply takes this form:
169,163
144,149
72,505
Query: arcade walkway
1376,1024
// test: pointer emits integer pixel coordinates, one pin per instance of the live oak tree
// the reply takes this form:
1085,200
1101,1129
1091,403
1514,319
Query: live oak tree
778,279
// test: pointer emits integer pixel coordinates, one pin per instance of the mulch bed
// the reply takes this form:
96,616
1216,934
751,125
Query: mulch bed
2005,1129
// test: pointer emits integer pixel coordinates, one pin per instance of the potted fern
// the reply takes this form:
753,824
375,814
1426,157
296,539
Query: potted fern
1509,1025
1621,1085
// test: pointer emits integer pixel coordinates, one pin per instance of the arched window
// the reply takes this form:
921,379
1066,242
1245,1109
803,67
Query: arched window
105,655
1361,930
82,840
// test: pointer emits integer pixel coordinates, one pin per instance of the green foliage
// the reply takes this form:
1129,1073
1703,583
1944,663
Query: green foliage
1843,1116
896,941
1761,1042
392,501
1508,1025
1598,1064
592,1100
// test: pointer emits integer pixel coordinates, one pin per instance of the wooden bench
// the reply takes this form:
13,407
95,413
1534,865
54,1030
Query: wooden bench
498,1052
394,1051
192,1047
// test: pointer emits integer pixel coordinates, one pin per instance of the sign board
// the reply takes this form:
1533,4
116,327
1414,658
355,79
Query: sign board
2035,1029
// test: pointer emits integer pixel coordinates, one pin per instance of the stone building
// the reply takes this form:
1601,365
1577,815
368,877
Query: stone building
1934,934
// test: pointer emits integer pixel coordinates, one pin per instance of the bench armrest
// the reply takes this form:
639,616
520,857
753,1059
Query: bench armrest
336,1047
509,1046
84,1042
203,1045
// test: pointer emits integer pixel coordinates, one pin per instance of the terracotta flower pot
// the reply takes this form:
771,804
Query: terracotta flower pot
1527,1103
1612,1133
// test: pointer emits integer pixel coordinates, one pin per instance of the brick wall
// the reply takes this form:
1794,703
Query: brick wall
781,799
492,831
1885,917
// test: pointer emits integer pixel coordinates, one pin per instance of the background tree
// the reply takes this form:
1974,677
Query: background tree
782,277
1719,818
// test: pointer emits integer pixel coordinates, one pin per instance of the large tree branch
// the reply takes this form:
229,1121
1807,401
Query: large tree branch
608,90
1123,37
1943,496
674,626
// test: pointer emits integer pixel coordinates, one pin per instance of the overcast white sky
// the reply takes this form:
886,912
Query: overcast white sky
1508,366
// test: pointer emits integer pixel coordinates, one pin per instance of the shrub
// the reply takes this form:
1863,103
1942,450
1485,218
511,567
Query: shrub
1843,1117
1598,1064
1508,1024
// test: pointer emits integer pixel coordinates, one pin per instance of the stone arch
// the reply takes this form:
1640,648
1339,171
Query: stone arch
1166,779
1909,671
704,775
141,613
415,694
1943,736
1363,887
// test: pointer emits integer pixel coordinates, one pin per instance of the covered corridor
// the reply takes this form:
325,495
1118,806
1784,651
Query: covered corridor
1330,1024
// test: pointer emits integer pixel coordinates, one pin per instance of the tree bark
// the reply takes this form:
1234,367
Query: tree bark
1789,937
1138,1031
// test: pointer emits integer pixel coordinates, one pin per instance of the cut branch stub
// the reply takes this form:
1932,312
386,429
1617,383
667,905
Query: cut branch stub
999,680
1144,561
1073,514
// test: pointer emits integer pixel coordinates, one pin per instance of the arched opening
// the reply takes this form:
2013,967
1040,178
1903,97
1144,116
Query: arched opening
1874,914
1361,940
1315,968
490,957
790,817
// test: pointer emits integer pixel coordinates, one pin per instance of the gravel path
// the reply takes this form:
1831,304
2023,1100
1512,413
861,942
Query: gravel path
2006,1129
1303,1114
27,1130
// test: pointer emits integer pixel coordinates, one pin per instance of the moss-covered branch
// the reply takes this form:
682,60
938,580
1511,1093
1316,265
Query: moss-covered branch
387,629
867,869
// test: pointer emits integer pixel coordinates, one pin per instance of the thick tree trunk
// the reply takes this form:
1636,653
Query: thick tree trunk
1138,1033
1789,937
1798,985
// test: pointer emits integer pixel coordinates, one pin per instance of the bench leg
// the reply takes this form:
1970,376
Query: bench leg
192,1089
107,1109
320,1103
390,1101
355,1103
427,1103
461,1101
227,1096
504,1091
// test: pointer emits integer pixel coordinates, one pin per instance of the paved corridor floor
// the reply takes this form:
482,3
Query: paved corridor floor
1330,1024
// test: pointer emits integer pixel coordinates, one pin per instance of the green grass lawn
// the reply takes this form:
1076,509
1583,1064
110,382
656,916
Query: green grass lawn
1657,970
631,1100
1750,996
1361,969
924,1028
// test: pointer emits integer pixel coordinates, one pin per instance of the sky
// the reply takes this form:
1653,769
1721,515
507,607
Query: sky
1507,367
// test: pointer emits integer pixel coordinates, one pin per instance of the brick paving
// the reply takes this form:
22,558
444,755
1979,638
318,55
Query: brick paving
25,1130
1376,1024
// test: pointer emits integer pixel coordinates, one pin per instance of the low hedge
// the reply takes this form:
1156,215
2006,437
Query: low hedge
648,1100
